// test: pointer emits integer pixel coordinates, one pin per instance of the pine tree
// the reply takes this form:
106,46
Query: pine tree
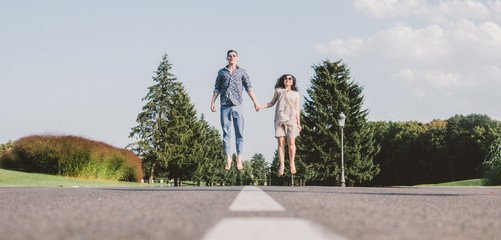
209,155
183,136
155,126
332,91
259,166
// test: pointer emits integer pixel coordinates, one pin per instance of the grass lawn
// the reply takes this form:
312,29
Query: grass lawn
465,183
9,178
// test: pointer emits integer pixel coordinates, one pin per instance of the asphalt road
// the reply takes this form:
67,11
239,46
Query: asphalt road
251,213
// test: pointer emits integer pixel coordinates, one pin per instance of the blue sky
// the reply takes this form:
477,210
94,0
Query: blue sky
82,67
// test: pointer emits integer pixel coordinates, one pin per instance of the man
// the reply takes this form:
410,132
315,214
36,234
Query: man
230,82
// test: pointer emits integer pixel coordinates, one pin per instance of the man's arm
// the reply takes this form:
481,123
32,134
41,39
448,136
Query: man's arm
256,104
213,102
217,89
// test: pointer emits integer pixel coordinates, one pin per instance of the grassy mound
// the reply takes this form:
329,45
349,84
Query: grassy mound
73,157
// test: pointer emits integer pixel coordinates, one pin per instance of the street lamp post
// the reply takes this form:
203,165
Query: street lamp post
341,119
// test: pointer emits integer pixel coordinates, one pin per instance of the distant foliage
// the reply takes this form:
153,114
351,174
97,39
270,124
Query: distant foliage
74,157
492,165
440,151
208,155
6,146
259,166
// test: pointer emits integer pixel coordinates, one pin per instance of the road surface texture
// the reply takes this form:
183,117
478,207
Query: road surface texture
208,213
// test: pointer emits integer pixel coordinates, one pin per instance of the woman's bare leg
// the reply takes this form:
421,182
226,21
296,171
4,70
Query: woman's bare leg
292,153
281,153
228,162
239,162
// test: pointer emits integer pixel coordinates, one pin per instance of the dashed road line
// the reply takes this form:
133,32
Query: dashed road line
252,198
269,228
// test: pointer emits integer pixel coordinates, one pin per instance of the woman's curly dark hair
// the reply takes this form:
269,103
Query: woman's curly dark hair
280,82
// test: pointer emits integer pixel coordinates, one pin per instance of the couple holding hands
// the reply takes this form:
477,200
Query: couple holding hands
230,82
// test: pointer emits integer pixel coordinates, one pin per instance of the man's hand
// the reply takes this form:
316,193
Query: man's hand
213,107
257,107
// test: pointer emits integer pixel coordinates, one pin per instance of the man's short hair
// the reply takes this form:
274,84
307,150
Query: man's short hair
229,51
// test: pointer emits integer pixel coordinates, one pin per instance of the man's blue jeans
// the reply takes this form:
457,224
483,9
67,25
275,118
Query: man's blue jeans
232,115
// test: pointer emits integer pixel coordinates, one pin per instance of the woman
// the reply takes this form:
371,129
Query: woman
287,123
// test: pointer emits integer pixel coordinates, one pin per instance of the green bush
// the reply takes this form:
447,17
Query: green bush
74,157
492,165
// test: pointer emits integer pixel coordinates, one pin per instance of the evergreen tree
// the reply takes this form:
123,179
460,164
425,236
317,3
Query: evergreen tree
259,166
184,136
209,154
246,175
332,91
157,131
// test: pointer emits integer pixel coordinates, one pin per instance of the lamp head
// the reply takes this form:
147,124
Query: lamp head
341,119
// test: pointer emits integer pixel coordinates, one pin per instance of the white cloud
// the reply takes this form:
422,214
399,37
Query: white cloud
443,56
461,9
342,47
403,42
446,53
434,79
398,43
391,8
450,9
420,93
495,71
495,6
493,33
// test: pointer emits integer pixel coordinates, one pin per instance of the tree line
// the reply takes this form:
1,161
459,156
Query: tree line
173,142
439,151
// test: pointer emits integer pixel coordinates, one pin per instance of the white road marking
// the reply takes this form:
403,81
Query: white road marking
272,228
252,198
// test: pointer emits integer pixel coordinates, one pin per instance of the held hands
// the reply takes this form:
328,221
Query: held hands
257,106
260,107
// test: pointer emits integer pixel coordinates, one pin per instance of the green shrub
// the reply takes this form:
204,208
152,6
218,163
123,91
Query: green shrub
74,157
492,165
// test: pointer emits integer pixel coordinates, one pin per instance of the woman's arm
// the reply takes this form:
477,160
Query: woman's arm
273,101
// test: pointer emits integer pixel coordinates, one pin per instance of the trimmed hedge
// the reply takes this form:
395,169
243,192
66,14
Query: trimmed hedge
73,157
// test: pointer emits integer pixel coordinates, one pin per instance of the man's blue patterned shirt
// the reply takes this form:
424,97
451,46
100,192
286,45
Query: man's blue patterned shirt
230,86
